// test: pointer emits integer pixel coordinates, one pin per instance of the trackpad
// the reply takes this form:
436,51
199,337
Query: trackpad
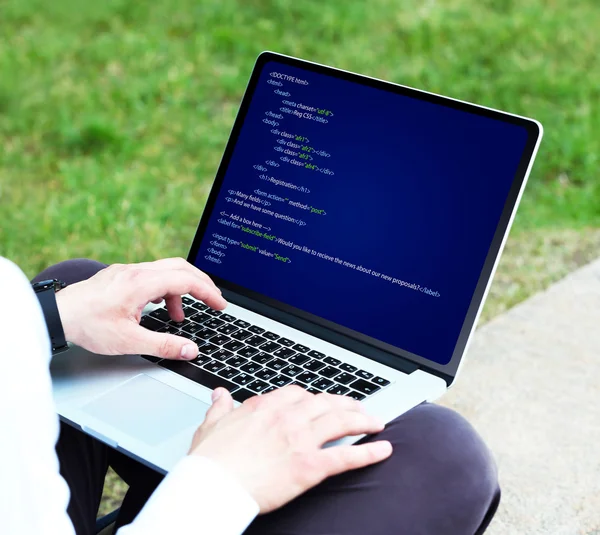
147,409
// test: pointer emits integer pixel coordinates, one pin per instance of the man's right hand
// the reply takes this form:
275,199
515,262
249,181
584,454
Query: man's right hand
273,443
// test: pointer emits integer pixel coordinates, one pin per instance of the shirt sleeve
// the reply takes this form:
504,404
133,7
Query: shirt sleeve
197,496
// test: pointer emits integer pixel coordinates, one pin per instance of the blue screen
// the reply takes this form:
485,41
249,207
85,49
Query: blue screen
367,208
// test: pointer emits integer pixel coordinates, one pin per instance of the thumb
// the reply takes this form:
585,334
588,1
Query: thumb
164,345
222,405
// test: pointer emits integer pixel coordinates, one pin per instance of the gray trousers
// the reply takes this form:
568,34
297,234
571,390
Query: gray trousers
441,478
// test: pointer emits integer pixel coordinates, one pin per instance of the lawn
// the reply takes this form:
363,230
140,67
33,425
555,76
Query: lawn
114,114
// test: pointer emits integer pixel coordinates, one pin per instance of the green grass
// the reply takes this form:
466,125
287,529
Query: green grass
114,114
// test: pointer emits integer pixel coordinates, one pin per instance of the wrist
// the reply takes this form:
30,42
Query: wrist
68,316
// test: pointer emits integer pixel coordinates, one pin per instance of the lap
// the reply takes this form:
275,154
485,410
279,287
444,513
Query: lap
440,479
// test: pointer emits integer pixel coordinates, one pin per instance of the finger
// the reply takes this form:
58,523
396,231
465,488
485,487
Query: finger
290,394
318,405
337,424
340,459
166,283
175,307
158,301
163,345
222,405
177,263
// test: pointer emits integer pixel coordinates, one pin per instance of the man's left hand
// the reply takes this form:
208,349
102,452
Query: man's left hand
102,314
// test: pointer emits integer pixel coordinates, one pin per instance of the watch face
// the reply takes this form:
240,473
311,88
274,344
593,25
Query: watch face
47,284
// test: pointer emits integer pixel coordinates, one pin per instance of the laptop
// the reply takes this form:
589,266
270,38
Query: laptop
354,227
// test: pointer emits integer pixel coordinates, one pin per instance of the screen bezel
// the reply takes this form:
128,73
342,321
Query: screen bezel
330,331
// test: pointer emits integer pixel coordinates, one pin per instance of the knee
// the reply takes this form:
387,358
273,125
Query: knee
71,271
448,466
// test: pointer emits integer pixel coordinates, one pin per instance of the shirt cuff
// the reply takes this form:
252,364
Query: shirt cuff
197,496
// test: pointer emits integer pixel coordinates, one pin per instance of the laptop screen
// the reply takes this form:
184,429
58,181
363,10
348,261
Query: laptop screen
367,208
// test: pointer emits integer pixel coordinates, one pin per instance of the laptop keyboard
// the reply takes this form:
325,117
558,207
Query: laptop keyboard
249,360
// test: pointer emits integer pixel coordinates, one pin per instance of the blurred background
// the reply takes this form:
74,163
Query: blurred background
114,114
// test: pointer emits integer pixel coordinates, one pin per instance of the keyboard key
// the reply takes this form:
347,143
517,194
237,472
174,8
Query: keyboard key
314,365
213,313
270,347
228,328
236,361
227,317
248,352
312,390
243,379
193,328
213,323
228,372
284,352
365,387
332,361
300,348
199,317
201,360
197,375
316,354
329,372
242,395
205,333
241,335
257,386
251,367
255,329
270,335
178,324
338,390
214,366
266,374
355,395
348,367
199,306
241,323
168,329
285,342
277,364
364,374
267,390
234,345
322,383
307,377
280,380
161,314
255,340
208,349
187,335
292,370
151,323
262,358
222,354
187,300
298,359
380,381
220,339
344,378
298,383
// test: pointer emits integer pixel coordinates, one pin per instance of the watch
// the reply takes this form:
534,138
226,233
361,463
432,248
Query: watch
45,291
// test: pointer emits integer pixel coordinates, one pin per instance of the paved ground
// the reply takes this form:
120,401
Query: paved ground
531,386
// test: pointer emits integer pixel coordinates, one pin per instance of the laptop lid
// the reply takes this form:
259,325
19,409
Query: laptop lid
366,213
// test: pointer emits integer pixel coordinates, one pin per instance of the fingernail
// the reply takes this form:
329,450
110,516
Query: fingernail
188,351
216,394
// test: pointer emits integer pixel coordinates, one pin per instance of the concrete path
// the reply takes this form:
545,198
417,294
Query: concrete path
531,386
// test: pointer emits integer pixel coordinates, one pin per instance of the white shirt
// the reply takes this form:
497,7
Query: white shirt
197,496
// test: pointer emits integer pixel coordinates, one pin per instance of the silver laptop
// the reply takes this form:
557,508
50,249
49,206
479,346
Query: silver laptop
354,227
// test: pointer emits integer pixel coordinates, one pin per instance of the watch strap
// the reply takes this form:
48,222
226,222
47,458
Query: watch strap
47,299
